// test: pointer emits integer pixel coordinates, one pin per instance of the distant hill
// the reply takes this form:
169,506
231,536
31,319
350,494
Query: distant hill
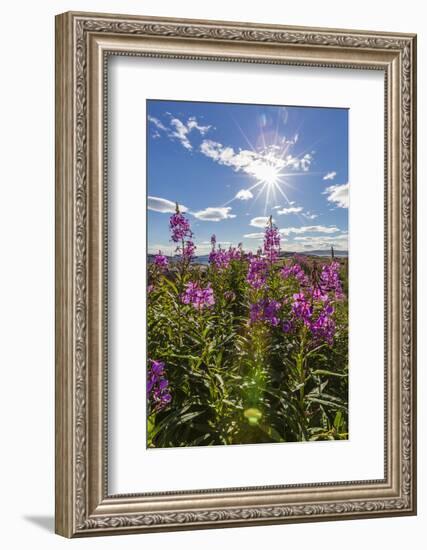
341,253
204,259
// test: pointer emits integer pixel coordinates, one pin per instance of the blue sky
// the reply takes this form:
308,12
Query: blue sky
230,166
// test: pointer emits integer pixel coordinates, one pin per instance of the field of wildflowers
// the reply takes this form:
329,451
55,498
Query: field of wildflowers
252,348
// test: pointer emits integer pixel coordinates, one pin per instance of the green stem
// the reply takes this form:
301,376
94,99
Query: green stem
301,373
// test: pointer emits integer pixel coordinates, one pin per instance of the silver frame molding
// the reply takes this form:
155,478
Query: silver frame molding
83,43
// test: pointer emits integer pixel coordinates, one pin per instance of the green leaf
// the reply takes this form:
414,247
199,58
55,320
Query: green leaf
321,372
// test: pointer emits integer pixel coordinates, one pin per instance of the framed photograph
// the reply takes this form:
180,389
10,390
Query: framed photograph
235,274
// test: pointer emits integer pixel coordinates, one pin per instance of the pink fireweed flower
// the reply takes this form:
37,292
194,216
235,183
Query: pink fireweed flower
179,227
257,272
160,260
221,258
234,253
189,249
317,317
323,328
265,310
213,241
302,308
296,271
287,326
157,386
271,241
330,279
197,296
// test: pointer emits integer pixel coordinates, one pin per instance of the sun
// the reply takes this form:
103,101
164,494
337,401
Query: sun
268,174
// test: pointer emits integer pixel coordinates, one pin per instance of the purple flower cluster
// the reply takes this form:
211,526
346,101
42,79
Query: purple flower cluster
271,242
157,386
188,250
221,258
257,272
160,261
323,328
179,227
302,308
265,310
181,233
296,271
197,296
330,279
316,316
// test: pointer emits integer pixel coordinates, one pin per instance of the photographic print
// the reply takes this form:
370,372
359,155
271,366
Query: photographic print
247,296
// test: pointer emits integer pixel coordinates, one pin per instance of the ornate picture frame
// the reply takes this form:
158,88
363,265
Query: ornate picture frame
84,42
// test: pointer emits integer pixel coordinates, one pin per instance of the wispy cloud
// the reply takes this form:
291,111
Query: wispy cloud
310,215
309,229
319,242
260,221
244,194
214,214
165,206
254,163
335,238
338,194
290,210
179,130
157,123
329,176
253,236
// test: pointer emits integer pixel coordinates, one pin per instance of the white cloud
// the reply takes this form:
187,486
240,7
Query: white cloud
254,236
192,124
157,123
244,194
179,130
218,242
329,176
335,238
259,164
338,194
309,215
167,249
214,214
319,242
163,205
290,210
260,221
309,229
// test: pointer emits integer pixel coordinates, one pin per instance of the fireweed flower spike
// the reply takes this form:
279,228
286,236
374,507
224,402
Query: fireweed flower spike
181,234
157,386
330,279
179,227
221,258
295,271
160,261
271,241
257,272
189,249
265,310
197,296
